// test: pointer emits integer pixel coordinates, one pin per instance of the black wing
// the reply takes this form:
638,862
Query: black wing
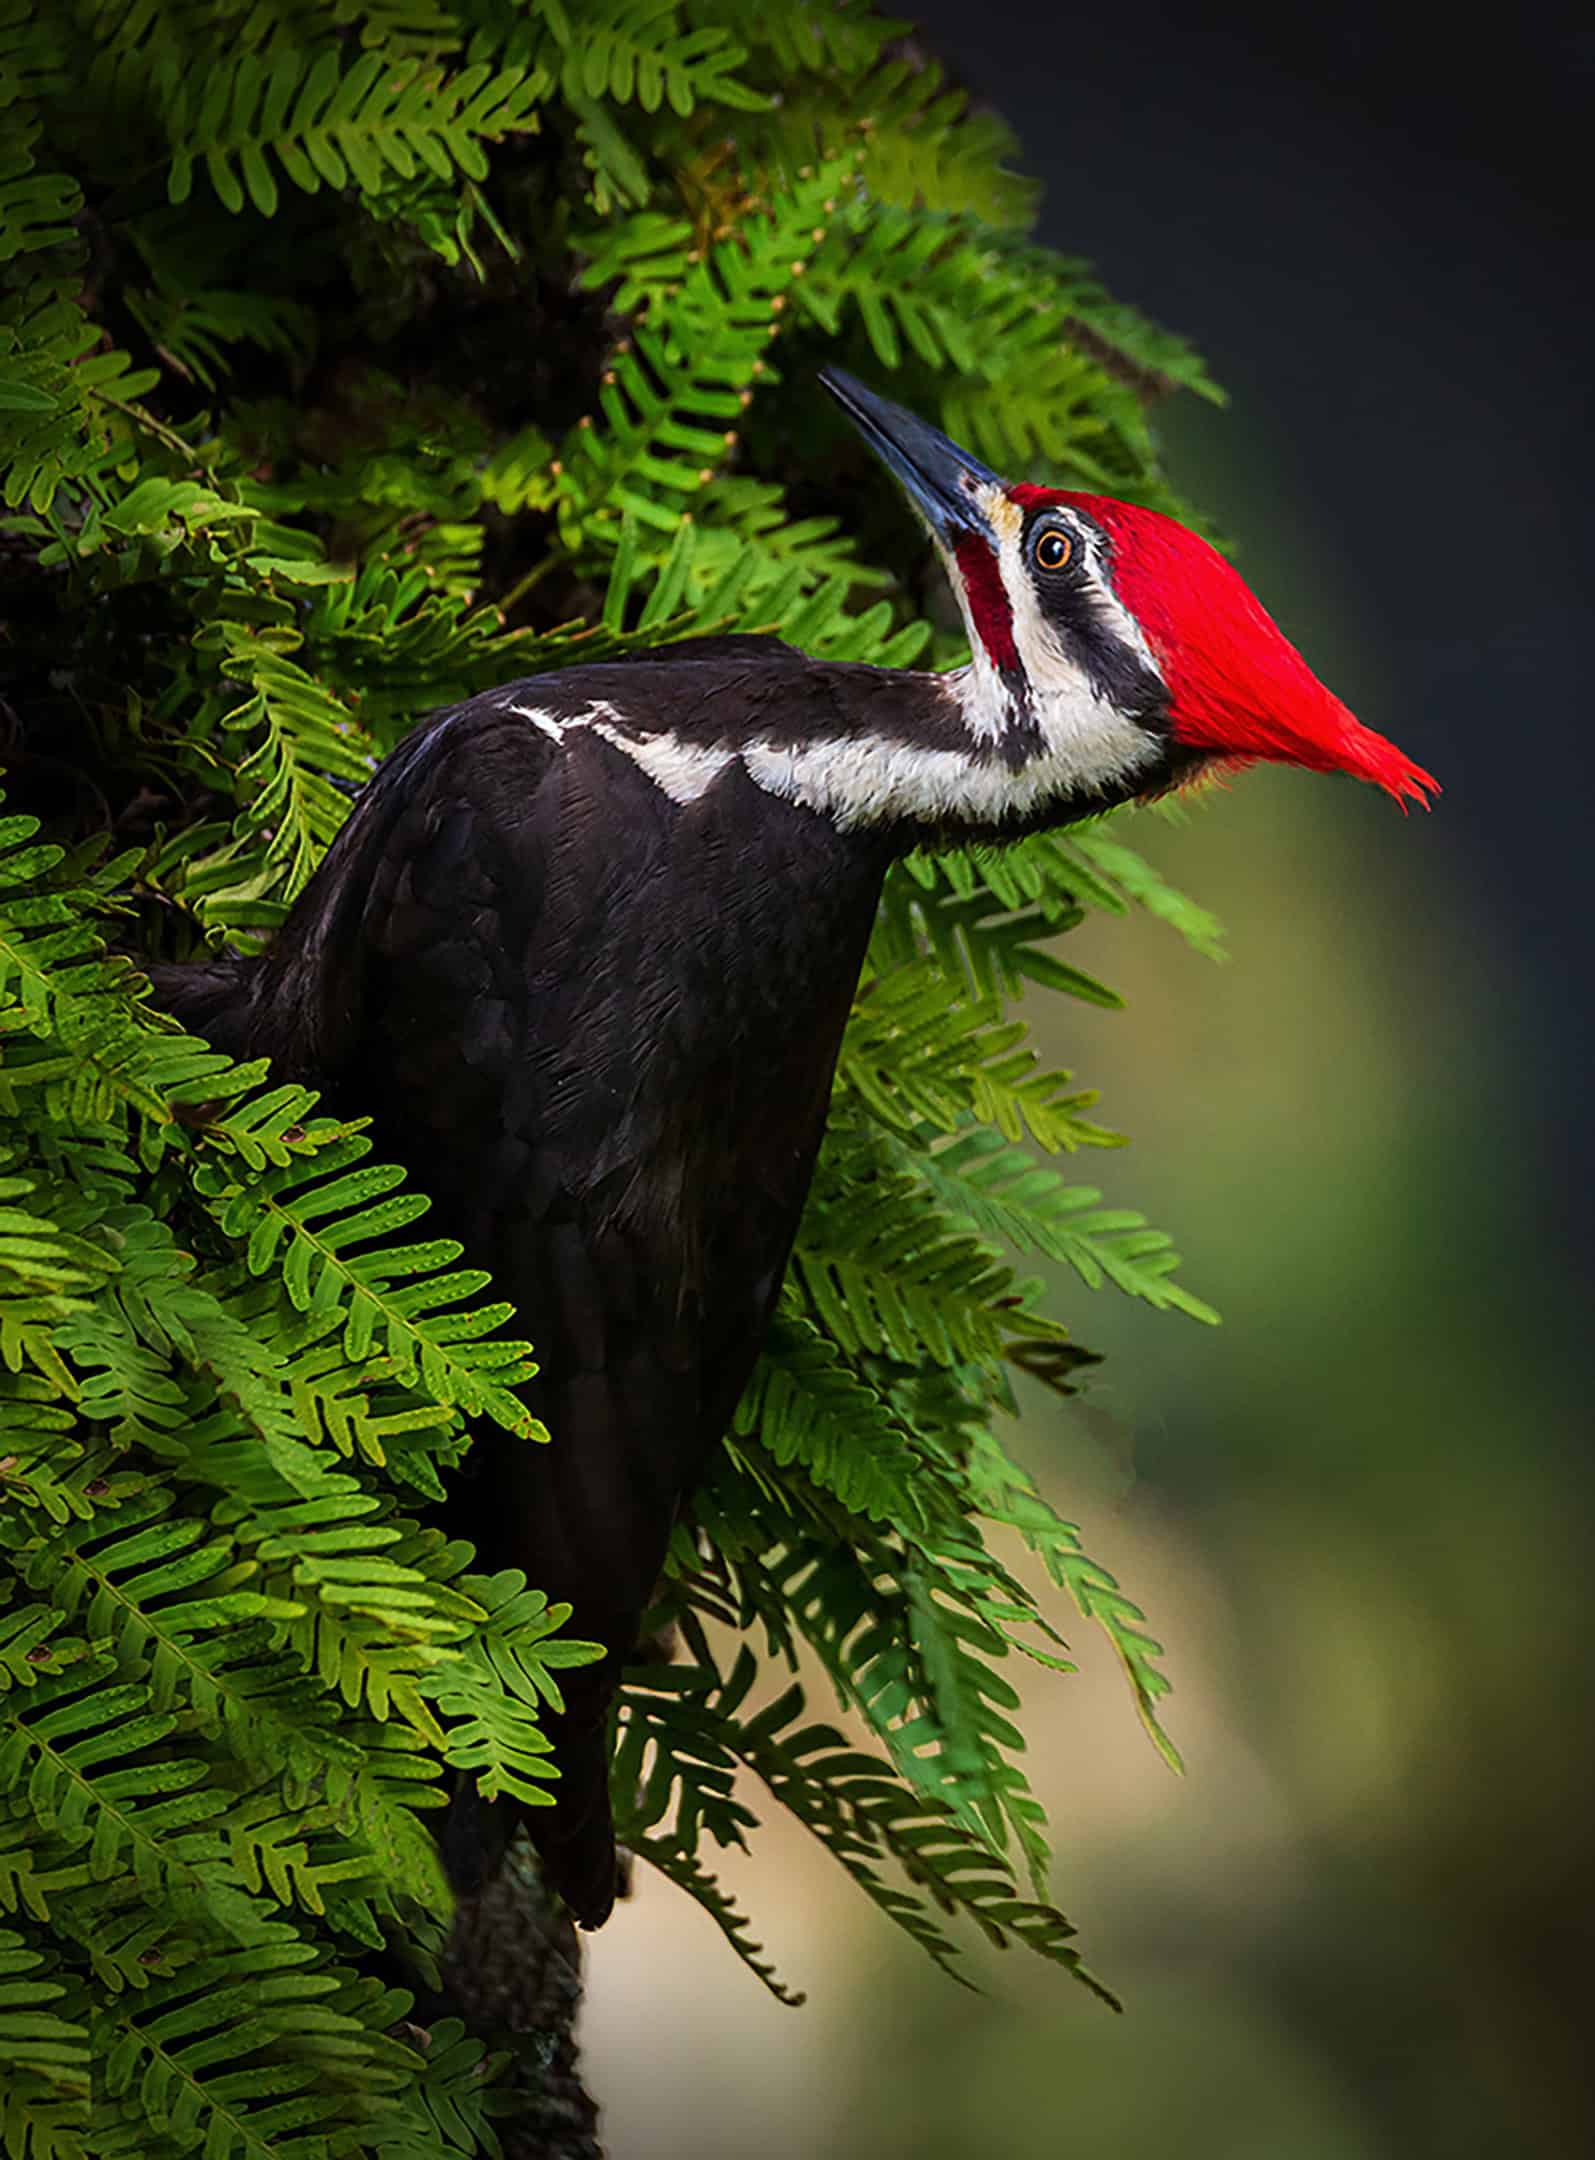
599,1027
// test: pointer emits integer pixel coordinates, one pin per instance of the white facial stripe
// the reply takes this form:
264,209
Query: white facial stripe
1032,630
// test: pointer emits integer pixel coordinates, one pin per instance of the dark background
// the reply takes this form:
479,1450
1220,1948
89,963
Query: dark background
1376,228
1363,1927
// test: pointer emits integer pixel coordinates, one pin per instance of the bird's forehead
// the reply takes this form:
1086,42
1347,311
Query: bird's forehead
999,509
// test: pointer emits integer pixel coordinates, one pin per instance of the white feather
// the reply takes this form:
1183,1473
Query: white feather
1088,746
871,780
686,771
552,727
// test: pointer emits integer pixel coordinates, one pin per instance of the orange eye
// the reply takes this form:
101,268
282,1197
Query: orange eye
1051,549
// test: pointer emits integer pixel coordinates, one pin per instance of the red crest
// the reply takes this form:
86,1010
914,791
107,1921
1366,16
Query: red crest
1239,688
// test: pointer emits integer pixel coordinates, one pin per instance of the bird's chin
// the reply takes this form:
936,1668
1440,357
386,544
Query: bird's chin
1195,772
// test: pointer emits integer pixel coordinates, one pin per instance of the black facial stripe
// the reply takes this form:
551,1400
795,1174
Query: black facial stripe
1022,738
1070,601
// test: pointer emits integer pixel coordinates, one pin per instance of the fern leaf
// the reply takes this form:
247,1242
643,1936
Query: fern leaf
892,1278
807,1406
679,1864
1008,1496
635,50
918,1050
1102,847
1011,1196
324,124
494,1690
298,1218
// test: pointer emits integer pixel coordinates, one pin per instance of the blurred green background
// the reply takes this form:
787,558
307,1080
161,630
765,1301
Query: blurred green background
1348,1512
1363,1925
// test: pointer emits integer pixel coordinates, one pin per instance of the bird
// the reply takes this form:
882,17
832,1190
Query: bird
586,944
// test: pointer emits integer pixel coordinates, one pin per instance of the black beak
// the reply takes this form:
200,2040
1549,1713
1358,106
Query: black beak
943,482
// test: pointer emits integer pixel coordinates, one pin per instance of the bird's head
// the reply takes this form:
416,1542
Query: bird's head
1115,653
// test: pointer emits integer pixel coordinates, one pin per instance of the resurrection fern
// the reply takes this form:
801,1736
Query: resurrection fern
356,355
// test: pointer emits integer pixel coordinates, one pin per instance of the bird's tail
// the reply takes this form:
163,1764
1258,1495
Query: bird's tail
575,1838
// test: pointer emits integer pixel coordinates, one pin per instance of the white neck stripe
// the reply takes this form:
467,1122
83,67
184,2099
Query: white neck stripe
1087,749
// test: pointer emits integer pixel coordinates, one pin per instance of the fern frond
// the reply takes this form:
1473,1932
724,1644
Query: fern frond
629,50
308,742
194,329
1006,1495
323,123
458,2091
886,1275
494,1690
1132,878
919,1051
64,396
671,399
806,1405
243,2053
1011,1196
980,939
298,1219
675,1758
804,37
858,1810
37,210
46,2052
679,1864
152,1814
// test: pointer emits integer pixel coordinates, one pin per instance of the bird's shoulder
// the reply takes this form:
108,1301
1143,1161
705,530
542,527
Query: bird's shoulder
520,845
724,692
509,732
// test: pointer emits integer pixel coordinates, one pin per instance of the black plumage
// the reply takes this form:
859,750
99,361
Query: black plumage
599,1025
586,947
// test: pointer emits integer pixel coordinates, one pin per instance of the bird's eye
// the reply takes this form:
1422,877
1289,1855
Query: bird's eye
1051,549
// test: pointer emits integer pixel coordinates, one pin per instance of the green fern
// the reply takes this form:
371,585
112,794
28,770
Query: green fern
328,125
919,1050
45,2106
473,340
808,1405
627,50
1011,1197
671,399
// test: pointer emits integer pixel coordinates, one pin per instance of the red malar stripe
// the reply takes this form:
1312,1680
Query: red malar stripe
988,601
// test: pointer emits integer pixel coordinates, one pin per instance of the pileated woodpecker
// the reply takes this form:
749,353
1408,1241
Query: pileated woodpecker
586,946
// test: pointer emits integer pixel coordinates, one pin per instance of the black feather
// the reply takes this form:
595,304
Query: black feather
600,1027
211,998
